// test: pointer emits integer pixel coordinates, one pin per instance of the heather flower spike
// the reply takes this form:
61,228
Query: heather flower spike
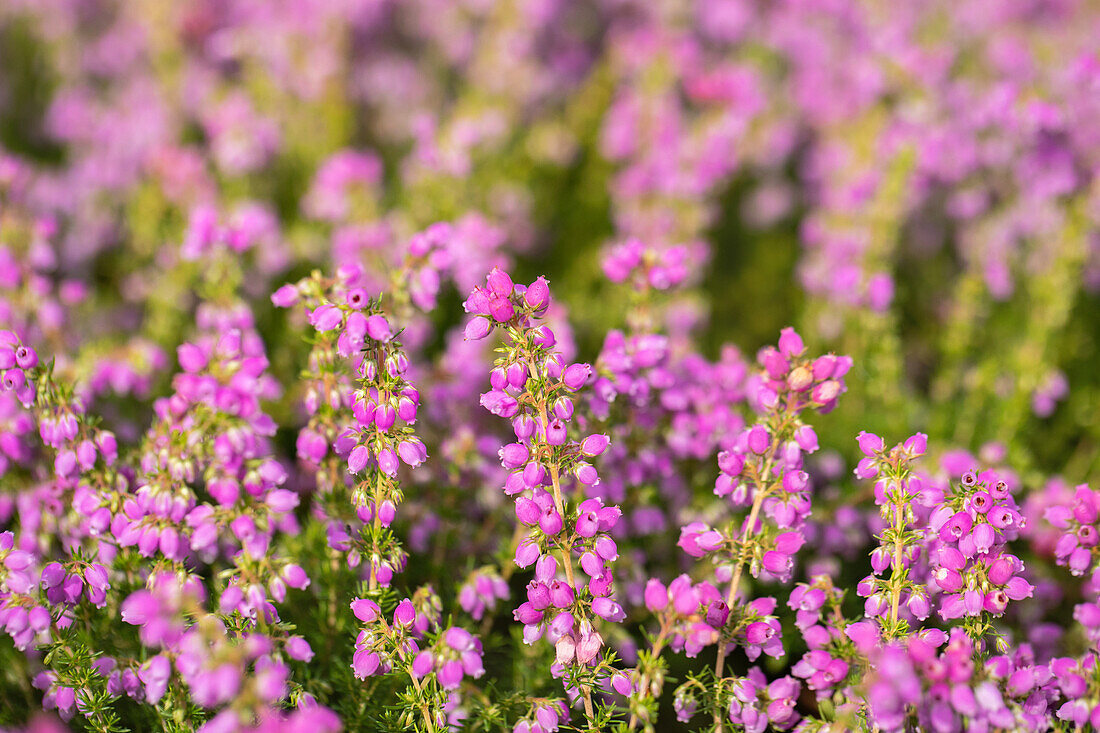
531,383
897,488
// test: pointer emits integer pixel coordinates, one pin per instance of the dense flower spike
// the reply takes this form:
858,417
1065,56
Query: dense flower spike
364,432
411,640
481,592
548,476
897,488
977,576
764,469
1078,544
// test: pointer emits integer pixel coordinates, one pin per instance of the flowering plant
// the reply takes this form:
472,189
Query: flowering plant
428,366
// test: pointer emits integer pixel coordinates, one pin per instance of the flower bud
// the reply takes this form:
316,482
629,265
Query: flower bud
594,445
477,328
790,343
537,296
499,283
575,375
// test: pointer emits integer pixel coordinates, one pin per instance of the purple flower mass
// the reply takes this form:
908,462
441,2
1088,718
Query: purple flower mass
430,366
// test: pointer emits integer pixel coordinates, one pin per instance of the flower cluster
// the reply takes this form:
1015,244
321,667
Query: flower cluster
690,614
758,704
216,404
677,409
897,488
973,569
942,689
435,660
16,359
690,617
546,716
23,618
532,386
246,673
481,592
831,656
377,437
659,270
1079,538
764,467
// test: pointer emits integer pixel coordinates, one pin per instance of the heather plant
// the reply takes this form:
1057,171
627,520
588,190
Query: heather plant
589,365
